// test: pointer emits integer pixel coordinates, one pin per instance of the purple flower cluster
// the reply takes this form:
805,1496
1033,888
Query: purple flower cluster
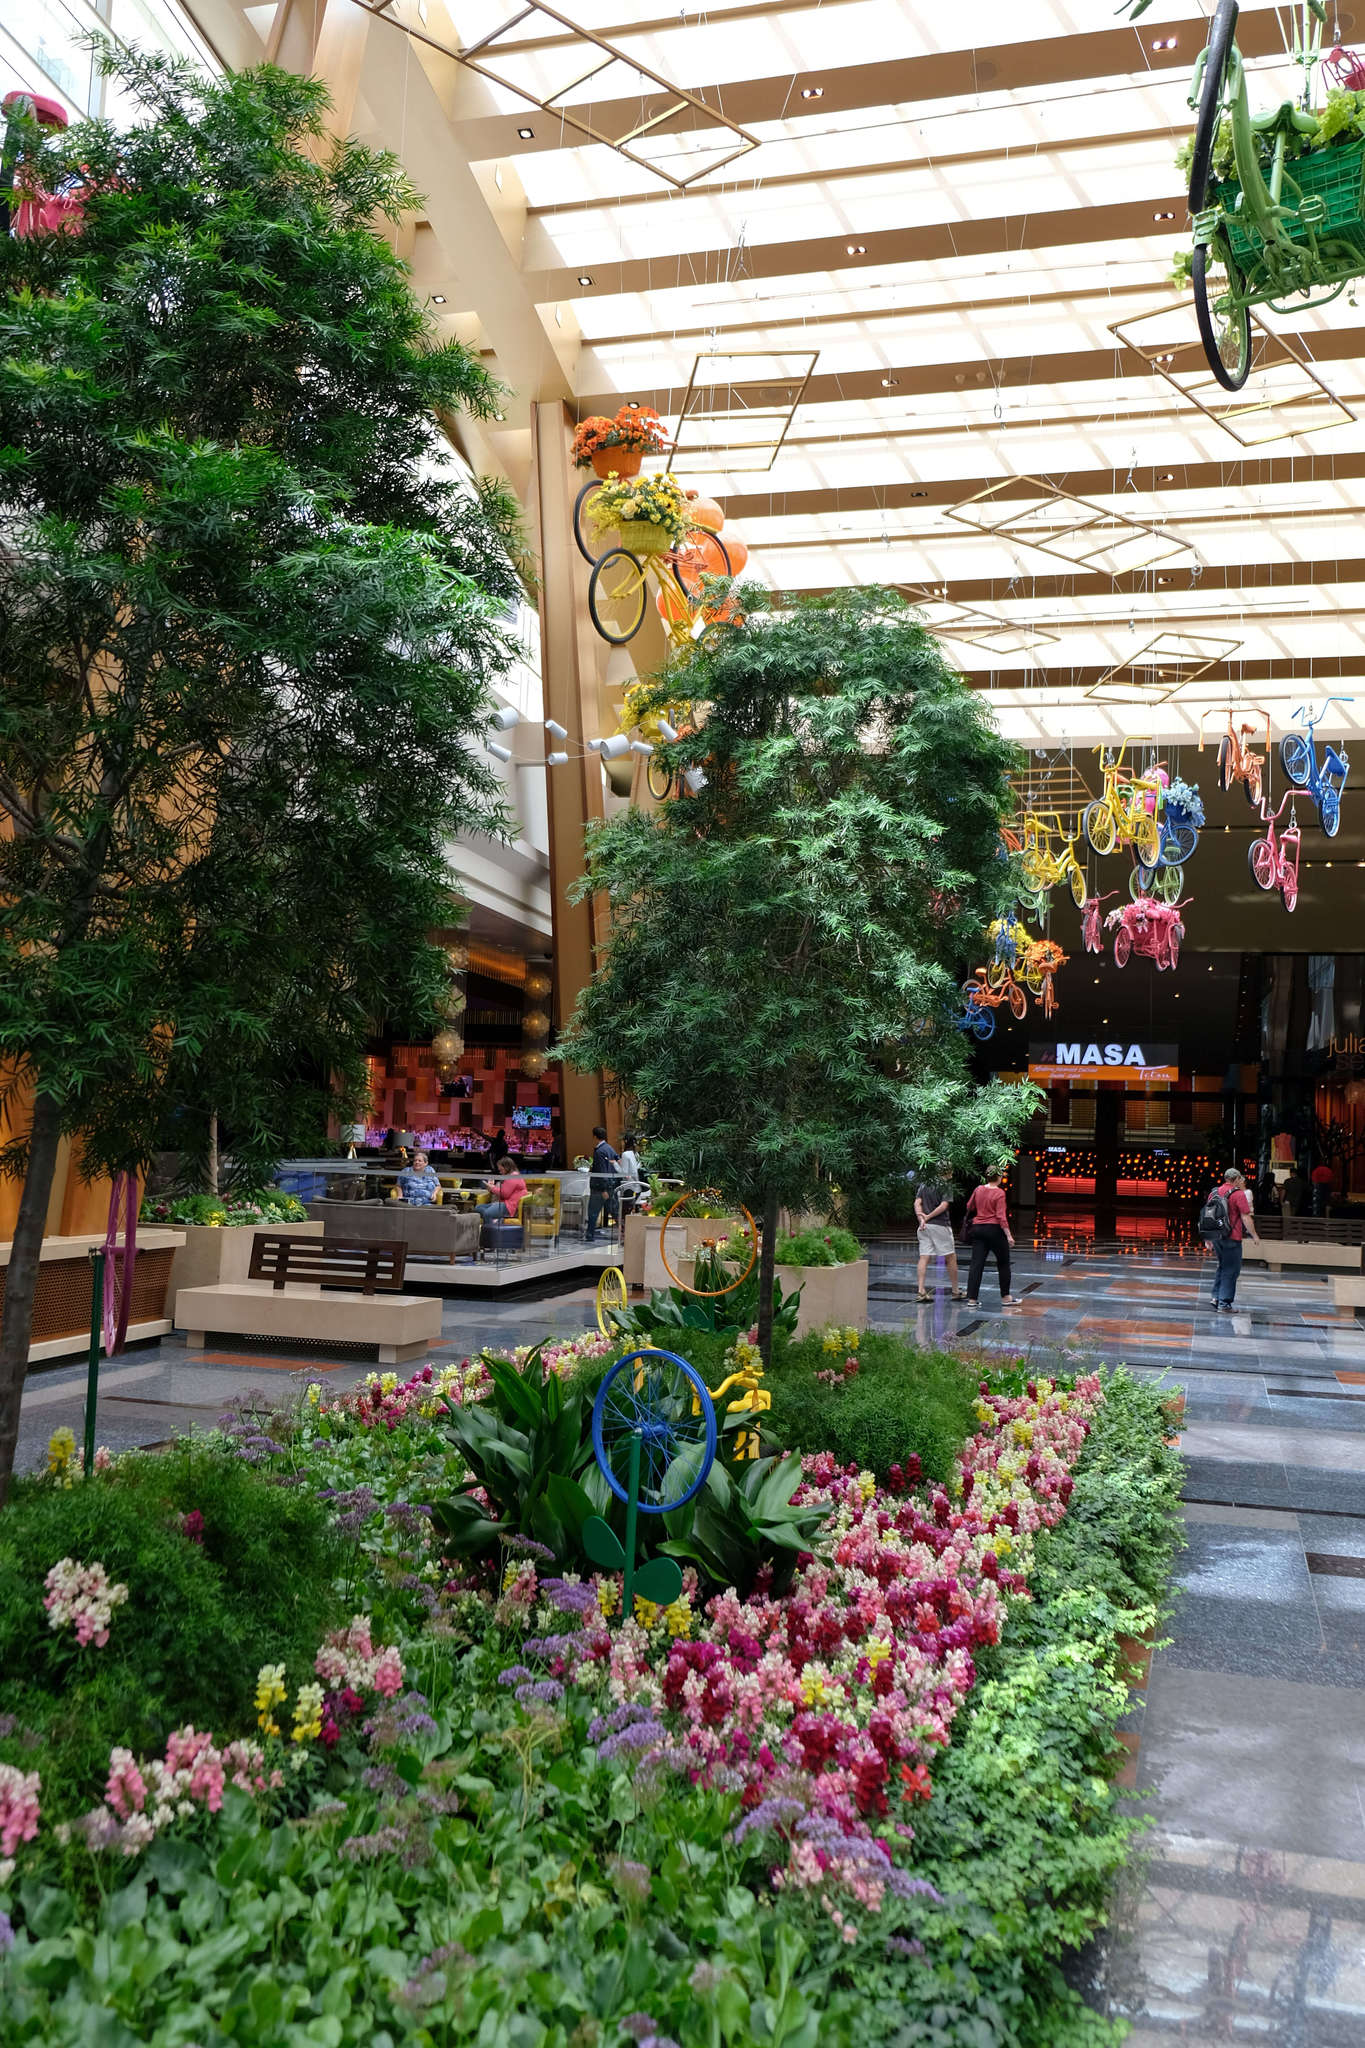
643,2029
629,1741
900,1945
768,1814
6,1934
515,1674
407,1516
568,1598
868,1853
618,1718
427,1984
550,1646
355,1510
544,1692
526,1546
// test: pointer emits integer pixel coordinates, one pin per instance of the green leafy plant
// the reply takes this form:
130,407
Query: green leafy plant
901,1403
253,1584
742,1520
528,1446
829,1246
231,1211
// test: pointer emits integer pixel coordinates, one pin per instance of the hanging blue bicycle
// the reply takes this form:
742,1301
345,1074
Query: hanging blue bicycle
1325,782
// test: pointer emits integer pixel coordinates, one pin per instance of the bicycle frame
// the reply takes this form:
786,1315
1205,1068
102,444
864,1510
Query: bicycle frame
1299,758
1278,873
1242,763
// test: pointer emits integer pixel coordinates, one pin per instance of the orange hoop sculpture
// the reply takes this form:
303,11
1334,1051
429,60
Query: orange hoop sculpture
707,1292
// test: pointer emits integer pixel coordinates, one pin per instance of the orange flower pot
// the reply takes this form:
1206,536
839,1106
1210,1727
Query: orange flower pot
625,461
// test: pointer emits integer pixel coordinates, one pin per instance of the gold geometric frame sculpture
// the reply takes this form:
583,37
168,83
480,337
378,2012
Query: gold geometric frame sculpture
1160,667
1071,529
753,399
1282,383
475,56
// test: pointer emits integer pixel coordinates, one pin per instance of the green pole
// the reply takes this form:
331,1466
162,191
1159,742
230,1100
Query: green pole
92,1384
632,1516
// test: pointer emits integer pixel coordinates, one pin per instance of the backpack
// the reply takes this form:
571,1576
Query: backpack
1215,1219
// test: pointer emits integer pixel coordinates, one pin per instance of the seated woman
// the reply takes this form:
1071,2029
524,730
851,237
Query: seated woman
507,1195
418,1183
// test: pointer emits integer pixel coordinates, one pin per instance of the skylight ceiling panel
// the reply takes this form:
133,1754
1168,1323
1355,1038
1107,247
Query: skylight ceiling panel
882,201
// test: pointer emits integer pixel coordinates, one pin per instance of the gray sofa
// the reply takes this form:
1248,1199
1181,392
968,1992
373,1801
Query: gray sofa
433,1233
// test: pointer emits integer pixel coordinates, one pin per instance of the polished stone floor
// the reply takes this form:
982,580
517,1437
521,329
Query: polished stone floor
1246,1919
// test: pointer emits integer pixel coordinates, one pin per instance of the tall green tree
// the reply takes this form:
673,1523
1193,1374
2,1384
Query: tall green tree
786,944
248,618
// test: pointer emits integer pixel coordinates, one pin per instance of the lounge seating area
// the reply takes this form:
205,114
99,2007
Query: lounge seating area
452,1230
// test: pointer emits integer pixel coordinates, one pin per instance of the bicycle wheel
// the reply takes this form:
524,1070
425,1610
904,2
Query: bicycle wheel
659,1398
1033,980
1329,809
701,554
1168,883
1178,843
1225,771
611,1294
616,596
983,1023
1224,326
1075,874
1217,54
583,531
1173,938
1261,861
1140,881
1296,758
1147,840
1251,787
1018,1001
996,972
1289,887
660,779
1123,946
1098,825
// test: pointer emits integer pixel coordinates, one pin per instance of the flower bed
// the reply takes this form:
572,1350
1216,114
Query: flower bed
735,1819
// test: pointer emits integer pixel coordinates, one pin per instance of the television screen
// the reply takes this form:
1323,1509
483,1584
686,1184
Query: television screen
531,1119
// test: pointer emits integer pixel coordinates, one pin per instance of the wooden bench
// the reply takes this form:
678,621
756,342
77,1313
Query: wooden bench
334,1290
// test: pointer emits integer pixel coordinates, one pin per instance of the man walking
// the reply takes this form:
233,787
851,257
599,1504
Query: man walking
601,1184
1228,1248
934,1218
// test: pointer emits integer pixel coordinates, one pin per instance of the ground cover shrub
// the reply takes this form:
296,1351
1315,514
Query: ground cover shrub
900,1403
240,1207
824,1244
225,1570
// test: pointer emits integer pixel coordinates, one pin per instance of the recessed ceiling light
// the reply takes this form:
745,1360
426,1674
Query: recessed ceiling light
438,298
1166,43
812,92
924,494
1163,216
1167,477
585,280
857,248
527,134
890,383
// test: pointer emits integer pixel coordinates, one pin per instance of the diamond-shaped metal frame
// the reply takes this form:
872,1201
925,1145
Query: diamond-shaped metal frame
974,627
1063,517
1174,659
777,414
1274,358
475,57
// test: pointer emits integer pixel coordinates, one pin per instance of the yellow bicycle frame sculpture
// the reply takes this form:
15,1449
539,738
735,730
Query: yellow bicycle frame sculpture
1120,817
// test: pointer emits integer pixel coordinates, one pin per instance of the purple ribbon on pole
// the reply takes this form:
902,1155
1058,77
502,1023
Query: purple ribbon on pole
118,1285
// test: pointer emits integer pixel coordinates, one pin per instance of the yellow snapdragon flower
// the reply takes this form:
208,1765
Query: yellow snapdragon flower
270,1692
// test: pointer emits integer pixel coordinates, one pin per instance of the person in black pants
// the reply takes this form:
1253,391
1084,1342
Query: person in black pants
601,1184
987,1227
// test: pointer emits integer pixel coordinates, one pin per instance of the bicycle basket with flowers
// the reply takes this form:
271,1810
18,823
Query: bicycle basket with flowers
649,512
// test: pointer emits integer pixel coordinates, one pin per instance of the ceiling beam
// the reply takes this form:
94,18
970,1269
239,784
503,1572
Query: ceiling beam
1048,62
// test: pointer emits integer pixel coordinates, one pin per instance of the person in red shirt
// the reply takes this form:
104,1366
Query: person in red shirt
987,1229
507,1194
1228,1250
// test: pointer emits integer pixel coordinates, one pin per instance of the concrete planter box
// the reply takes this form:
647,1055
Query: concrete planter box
214,1253
829,1294
643,1265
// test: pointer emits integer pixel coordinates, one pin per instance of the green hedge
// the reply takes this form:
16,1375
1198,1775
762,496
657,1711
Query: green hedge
901,1402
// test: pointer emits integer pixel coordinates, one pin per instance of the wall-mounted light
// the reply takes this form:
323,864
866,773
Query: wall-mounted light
438,298
1163,216
612,749
857,248
641,747
502,753
890,383
812,92
695,779
555,730
505,717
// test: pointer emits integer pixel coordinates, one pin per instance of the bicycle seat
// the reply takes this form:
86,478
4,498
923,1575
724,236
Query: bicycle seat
1287,116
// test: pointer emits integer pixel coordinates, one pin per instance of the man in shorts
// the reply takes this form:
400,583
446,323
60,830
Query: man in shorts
934,1217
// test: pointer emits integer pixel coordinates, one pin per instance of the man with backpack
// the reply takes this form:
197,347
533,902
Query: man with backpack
1223,1220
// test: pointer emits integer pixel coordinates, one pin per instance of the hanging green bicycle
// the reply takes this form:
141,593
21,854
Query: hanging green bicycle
1287,221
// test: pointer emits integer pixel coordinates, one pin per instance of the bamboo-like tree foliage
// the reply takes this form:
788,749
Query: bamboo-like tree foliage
786,945
247,623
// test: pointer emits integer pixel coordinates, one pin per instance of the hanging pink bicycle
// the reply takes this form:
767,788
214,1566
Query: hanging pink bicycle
1092,923
1271,867
1150,929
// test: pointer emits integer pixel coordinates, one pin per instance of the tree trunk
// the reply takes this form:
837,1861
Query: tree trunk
767,1260
213,1152
21,1281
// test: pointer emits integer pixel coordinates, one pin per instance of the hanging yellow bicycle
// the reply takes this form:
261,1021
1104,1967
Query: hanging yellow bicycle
1126,813
1041,866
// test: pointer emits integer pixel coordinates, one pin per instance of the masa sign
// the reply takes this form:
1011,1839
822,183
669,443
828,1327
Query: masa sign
1118,1060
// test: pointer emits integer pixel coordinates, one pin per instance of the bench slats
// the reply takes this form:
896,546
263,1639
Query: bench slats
366,1264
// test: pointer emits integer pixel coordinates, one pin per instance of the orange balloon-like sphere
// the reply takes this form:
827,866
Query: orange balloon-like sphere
705,512
737,550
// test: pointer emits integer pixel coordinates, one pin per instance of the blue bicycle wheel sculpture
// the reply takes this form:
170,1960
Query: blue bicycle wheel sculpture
655,1400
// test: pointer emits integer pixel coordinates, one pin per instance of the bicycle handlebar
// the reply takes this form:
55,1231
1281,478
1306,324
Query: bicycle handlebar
1301,715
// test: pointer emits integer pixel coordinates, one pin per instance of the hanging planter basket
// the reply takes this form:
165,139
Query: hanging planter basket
643,537
625,461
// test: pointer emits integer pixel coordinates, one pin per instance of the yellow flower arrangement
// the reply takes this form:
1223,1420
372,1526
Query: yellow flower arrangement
640,500
61,1452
